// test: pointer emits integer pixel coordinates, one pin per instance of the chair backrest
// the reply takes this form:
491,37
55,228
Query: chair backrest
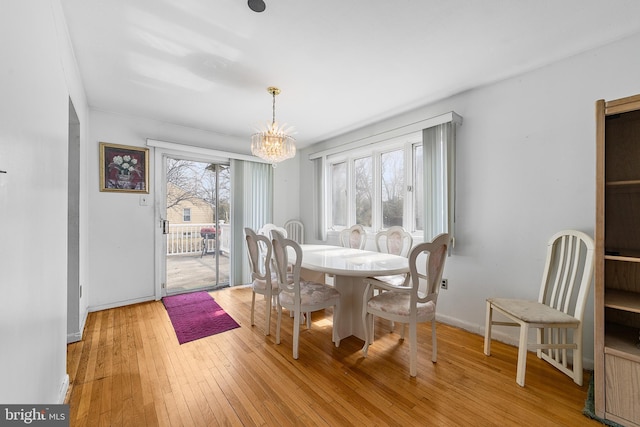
259,249
394,240
266,230
568,272
353,237
280,245
295,230
436,255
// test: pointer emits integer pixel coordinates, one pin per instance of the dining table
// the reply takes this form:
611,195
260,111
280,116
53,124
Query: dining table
349,267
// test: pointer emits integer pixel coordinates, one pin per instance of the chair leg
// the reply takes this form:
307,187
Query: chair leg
267,315
278,323
522,354
296,332
487,329
413,350
253,306
367,320
578,375
336,323
308,315
434,342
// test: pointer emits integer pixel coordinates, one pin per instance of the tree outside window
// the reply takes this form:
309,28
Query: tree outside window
364,190
393,188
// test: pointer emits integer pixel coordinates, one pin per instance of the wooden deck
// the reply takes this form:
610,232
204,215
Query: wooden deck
195,271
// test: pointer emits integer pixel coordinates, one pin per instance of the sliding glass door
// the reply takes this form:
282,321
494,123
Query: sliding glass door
198,229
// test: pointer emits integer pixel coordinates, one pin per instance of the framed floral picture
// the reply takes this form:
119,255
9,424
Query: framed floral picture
124,168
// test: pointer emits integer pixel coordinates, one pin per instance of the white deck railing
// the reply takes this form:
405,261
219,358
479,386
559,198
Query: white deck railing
184,239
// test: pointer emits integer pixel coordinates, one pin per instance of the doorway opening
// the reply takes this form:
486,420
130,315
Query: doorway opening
197,245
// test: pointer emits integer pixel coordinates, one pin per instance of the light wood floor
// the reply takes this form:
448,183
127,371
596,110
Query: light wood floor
129,370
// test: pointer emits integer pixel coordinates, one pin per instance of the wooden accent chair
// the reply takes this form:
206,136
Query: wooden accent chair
559,312
295,230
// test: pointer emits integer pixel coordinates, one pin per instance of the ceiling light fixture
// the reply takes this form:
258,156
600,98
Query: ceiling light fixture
257,5
273,144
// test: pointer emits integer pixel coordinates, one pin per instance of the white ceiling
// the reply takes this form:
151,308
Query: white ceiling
341,64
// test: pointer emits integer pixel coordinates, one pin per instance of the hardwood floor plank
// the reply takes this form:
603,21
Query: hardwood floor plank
129,370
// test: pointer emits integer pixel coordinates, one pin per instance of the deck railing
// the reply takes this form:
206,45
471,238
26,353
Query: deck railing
184,239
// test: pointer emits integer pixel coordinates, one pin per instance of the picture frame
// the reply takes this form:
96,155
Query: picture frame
124,168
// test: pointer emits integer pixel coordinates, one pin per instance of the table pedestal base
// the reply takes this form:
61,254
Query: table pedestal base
351,290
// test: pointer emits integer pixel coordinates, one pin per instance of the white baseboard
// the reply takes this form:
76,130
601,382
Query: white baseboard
74,337
121,303
77,336
496,335
64,387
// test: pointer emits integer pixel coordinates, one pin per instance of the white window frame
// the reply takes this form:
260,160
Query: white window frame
406,143
184,214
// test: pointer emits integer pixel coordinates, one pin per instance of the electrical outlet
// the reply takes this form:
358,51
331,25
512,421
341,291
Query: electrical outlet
444,284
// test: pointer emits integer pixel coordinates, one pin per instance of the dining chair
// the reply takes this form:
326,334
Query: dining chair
558,313
397,241
412,304
300,296
266,230
263,280
353,237
295,230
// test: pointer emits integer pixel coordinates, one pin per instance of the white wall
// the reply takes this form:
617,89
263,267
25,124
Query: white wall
37,77
525,169
122,233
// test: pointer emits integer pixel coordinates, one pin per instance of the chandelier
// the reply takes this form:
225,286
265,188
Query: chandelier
273,144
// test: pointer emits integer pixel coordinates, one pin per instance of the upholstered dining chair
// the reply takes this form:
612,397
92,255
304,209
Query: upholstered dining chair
298,295
397,241
394,240
263,280
558,313
353,237
295,230
412,304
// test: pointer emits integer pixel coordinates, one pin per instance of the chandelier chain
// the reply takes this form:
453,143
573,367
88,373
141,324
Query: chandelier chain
273,120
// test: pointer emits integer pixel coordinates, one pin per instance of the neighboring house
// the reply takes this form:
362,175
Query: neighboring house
190,211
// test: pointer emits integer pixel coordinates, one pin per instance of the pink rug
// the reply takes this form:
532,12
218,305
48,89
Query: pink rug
196,315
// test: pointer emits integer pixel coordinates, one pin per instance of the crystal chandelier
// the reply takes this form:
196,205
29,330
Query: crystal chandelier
273,144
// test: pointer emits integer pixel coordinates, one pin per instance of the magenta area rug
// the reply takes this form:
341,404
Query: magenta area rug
197,315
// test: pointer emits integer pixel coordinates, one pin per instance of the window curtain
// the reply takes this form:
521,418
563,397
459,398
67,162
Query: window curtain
439,181
252,206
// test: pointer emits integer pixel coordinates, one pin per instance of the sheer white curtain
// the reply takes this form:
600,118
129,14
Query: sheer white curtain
252,206
439,156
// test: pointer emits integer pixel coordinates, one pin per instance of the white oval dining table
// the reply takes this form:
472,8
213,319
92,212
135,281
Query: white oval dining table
349,267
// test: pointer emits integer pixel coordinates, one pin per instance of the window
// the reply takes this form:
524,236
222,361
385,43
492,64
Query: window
186,215
369,187
364,190
401,176
392,186
339,194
